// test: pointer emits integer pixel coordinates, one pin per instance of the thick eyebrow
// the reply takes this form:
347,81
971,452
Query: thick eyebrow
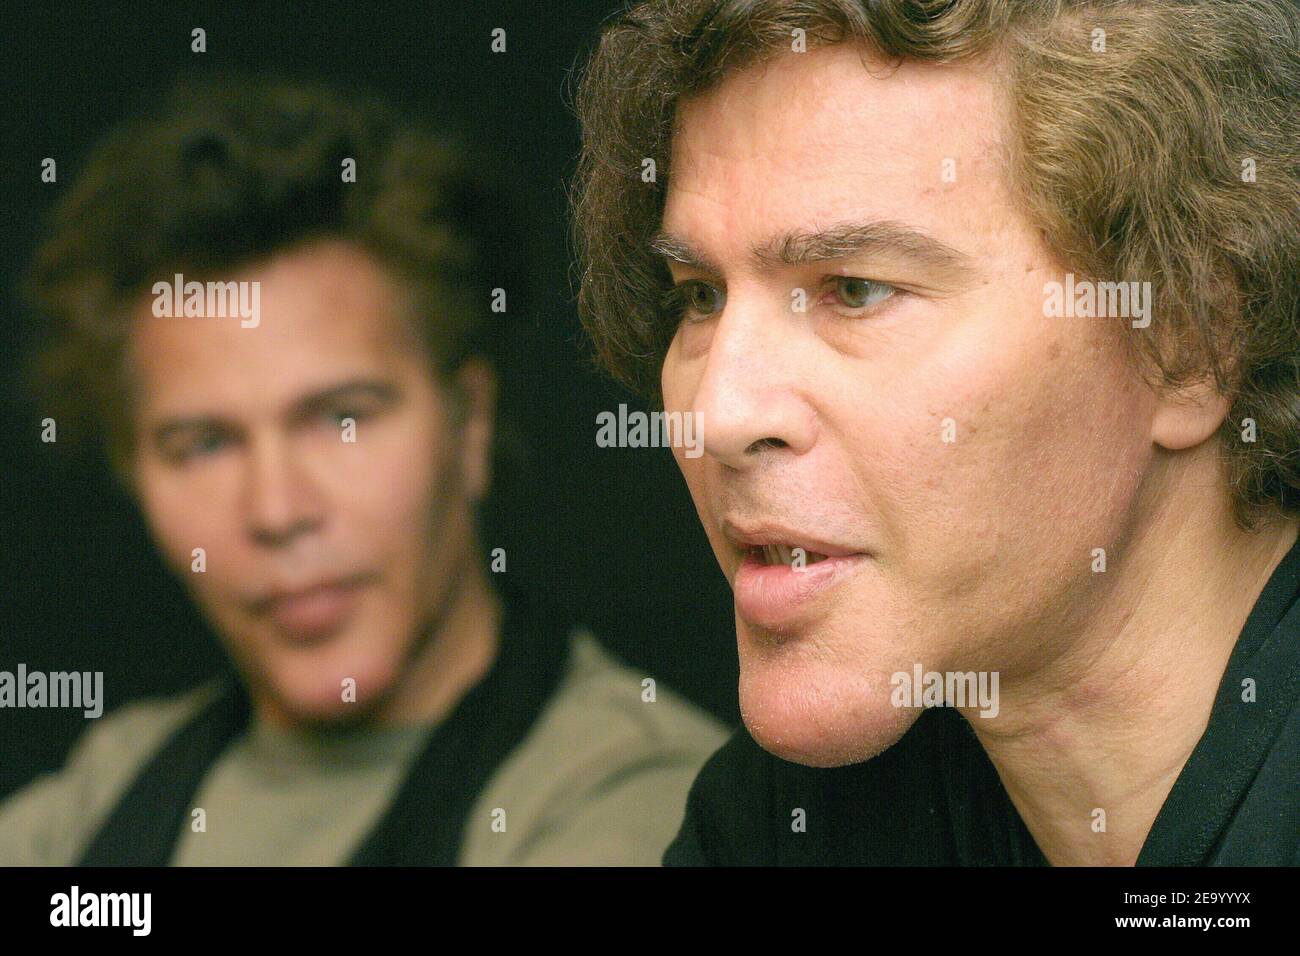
841,241
302,408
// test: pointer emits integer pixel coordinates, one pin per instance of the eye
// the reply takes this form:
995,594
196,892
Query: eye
210,443
182,449
694,299
861,294
338,416
335,414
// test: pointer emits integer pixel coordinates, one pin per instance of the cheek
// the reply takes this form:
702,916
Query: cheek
677,395
392,498
672,378
178,528
1054,437
404,477
694,472
1006,451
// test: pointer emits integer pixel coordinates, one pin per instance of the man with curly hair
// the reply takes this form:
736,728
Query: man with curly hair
989,314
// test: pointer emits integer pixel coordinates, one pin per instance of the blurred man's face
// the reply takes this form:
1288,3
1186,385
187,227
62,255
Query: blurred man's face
825,428
326,558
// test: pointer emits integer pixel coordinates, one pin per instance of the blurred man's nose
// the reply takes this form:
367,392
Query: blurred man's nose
750,395
281,502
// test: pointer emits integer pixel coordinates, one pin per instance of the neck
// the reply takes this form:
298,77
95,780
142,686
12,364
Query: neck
1109,722
452,657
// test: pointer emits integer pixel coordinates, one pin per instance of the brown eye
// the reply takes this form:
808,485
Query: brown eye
860,293
702,298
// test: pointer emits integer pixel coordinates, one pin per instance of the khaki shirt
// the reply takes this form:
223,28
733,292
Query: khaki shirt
600,779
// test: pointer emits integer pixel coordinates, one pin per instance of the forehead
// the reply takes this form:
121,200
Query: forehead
327,311
807,139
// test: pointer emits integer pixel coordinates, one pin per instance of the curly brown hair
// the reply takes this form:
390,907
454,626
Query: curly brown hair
229,171
1130,163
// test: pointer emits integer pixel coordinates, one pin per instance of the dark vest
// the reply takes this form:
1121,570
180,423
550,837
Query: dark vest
424,823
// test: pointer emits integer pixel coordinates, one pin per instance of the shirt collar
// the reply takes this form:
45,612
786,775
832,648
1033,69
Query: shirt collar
1259,688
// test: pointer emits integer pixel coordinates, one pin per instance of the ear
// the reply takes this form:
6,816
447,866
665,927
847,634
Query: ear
476,393
1187,416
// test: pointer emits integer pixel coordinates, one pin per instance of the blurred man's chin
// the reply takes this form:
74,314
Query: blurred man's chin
326,698
819,720
316,714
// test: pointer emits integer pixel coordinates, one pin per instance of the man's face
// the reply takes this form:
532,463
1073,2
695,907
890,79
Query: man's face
326,558
956,453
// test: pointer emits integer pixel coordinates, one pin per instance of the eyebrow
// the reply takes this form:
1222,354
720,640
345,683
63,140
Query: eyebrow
360,388
301,408
840,241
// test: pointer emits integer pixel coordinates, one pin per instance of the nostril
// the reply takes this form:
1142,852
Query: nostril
765,443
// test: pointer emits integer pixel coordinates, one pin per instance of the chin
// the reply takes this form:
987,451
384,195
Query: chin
310,692
319,712
817,714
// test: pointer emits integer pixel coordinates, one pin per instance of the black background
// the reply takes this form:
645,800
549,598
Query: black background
610,535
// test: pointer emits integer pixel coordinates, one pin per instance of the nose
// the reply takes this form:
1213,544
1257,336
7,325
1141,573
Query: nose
280,502
749,397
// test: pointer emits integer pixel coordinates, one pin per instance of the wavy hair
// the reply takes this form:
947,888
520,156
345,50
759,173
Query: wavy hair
1130,162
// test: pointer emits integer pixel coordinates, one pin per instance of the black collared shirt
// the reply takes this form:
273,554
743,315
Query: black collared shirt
934,798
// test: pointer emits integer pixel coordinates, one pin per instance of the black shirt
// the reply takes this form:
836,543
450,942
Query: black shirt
934,798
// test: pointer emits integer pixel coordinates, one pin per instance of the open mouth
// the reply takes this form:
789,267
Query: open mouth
789,555
777,585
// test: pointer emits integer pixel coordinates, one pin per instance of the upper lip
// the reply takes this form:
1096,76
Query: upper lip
288,592
749,535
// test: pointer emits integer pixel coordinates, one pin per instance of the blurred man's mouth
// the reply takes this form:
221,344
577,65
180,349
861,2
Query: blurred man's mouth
782,571
314,610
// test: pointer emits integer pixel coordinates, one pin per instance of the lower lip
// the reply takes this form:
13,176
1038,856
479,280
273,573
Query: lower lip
776,596
316,613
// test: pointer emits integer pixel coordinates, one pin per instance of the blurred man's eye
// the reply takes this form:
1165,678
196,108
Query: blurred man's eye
337,416
340,416
184,448
355,404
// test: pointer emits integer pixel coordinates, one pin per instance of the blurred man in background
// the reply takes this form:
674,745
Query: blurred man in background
271,304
